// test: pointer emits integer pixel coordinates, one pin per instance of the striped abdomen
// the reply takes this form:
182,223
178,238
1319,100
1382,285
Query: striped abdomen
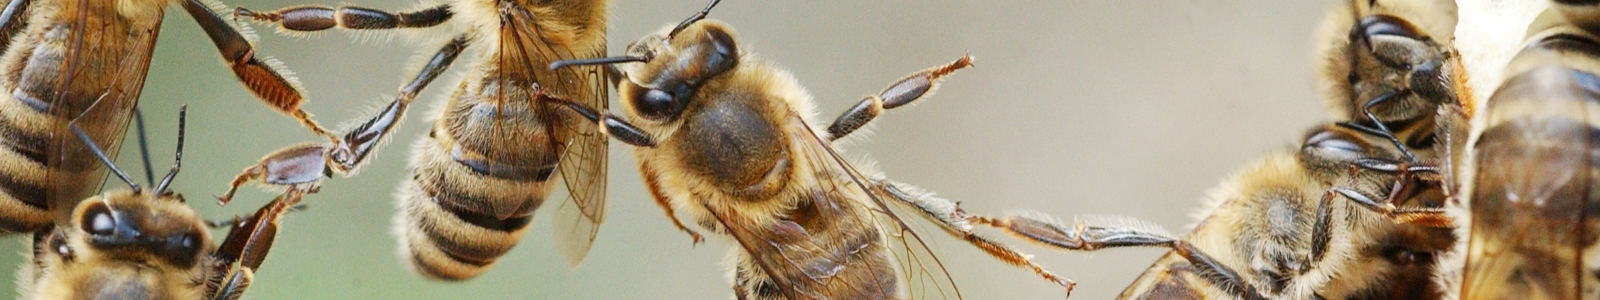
854,261
478,178
110,66
1534,210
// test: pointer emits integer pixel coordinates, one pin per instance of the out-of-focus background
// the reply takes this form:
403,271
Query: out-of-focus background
1075,107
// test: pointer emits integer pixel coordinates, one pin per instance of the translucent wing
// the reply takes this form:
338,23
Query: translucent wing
841,242
97,89
923,275
583,161
1533,211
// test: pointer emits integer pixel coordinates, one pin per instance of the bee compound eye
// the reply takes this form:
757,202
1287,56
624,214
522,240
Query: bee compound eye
1389,25
724,54
657,104
98,221
1332,141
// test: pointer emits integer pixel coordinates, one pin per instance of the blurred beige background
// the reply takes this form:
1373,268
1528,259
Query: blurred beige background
1075,107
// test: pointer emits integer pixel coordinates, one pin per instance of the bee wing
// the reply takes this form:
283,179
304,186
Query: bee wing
922,274
583,169
1172,277
835,261
1533,208
583,163
74,171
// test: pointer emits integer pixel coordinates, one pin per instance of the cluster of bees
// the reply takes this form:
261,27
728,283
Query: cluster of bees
1421,189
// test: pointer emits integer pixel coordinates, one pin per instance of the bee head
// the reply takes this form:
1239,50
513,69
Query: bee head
142,228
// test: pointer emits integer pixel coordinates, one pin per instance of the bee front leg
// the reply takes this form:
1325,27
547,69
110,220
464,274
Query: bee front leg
1430,217
610,125
246,246
1377,127
902,92
265,81
308,18
1407,179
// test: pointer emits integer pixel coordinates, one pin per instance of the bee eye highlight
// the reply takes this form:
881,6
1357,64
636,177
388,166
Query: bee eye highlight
1388,25
98,221
1331,141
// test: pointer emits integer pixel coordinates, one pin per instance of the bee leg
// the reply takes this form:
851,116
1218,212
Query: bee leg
265,81
303,166
12,20
359,143
1430,217
307,18
1407,178
296,166
248,242
949,215
609,124
236,220
902,92
672,214
1377,126
1089,237
233,286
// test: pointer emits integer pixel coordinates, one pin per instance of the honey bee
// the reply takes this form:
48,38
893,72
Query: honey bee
1356,212
1276,230
1532,215
147,244
64,57
725,137
1389,65
489,159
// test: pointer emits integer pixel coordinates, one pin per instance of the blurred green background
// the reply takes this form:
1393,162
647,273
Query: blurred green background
1075,107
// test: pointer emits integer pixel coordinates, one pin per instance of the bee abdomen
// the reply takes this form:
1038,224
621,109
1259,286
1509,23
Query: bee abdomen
23,202
455,221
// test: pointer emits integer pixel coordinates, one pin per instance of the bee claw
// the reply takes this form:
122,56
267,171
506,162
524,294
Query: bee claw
698,239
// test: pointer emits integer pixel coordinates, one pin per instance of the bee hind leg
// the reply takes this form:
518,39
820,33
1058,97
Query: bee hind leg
1115,232
953,219
264,80
354,148
296,167
303,166
308,18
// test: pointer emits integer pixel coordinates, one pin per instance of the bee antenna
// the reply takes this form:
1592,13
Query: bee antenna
695,18
177,160
596,61
144,146
93,148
